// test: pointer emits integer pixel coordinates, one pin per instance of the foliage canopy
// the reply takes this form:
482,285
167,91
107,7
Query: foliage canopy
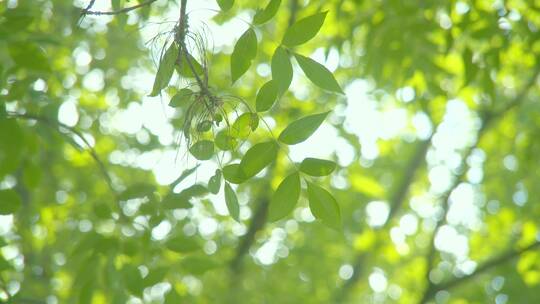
281,151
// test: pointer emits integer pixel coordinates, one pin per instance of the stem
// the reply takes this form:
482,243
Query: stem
87,10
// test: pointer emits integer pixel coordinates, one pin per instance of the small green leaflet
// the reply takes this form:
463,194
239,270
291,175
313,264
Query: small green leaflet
204,126
10,202
155,276
282,71
318,74
214,184
202,150
182,244
324,206
233,174
183,176
303,30
184,69
133,280
181,98
176,201
264,15
232,202
136,191
285,198
244,125
224,141
194,191
225,5
165,69
266,97
317,167
258,157
182,200
301,129
244,52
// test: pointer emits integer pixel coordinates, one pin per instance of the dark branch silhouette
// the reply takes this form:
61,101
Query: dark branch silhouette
488,265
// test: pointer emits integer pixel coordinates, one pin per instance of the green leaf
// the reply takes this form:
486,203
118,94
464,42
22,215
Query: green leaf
204,126
29,55
282,71
224,141
244,52
317,167
10,202
285,198
176,201
232,202
303,30
301,129
324,206
137,190
194,191
258,157
202,150
233,174
264,15
165,69
12,145
155,275
182,244
244,125
183,68
184,174
181,98
214,184
318,74
225,5
267,96
133,280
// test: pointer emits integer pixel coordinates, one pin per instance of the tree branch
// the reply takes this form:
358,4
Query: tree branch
396,202
87,10
257,223
60,126
413,165
487,121
489,264
73,131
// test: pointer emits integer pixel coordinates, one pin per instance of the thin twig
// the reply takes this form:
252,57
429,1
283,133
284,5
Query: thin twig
256,224
75,132
397,199
61,126
87,10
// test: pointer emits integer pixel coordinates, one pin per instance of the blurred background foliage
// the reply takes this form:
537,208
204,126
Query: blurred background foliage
436,141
